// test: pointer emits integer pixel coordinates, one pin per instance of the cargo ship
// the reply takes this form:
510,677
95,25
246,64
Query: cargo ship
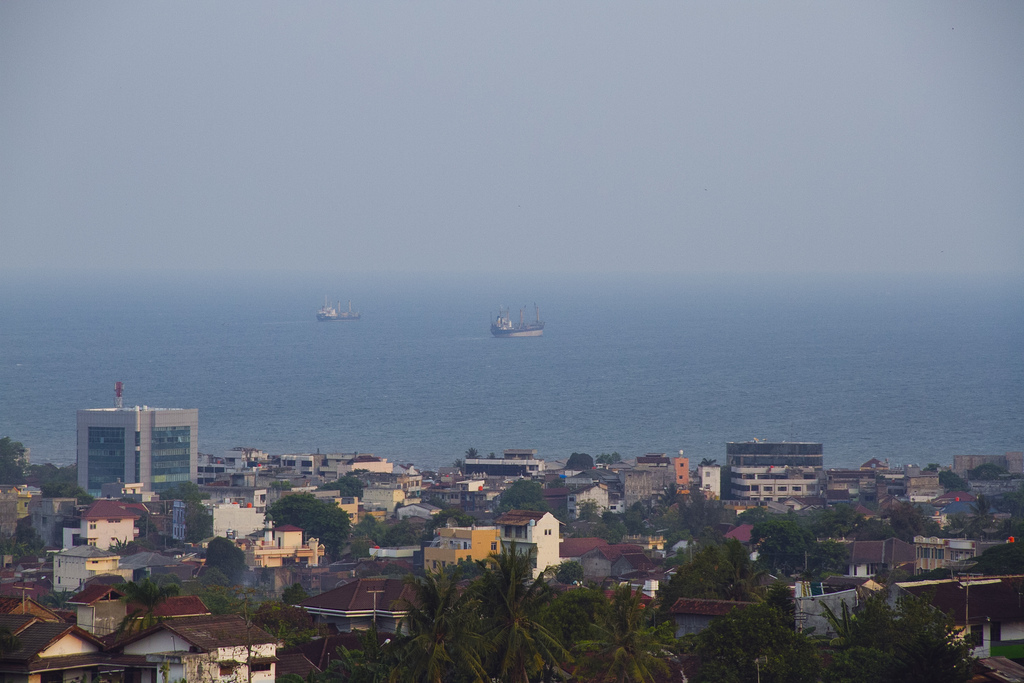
330,312
504,327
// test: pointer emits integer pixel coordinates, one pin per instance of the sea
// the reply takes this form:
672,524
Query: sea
912,369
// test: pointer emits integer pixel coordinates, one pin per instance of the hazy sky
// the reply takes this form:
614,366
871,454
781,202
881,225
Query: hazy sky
515,136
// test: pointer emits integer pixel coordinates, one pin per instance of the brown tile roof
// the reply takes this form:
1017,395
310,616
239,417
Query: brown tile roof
108,509
209,632
356,596
614,552
996,601
296,664
575,547
890,551
34,635
13,605
176,606
94,593
520,517
288,527
710,608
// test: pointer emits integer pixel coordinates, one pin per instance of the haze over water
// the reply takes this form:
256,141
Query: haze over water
910,369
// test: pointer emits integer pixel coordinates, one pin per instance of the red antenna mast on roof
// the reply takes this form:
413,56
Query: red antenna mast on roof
118,389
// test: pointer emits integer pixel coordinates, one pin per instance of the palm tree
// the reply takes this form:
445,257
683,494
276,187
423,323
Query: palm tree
148,596
442,636
57,599
511,597
842,624
743,581
981,518
471,453
626,649
708,462
8,641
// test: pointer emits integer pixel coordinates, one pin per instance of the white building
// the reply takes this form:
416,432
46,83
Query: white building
710,481
596,494
103,523
773,471
531,531
242,520
72,568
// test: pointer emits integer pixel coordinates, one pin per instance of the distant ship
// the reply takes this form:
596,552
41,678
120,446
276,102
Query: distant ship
504,327
330,312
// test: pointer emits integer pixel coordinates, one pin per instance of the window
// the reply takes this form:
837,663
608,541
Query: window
92,526
494,545
547,532
261,666
227,669
995,633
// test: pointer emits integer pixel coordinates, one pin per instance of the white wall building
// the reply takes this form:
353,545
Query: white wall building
531,531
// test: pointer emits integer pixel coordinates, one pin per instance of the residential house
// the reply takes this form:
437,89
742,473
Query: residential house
810,600
709,479
203,649
283,545
387,497
693,615
573,549
988,610
923,487
341,464
100,609
361,603
453,544
232,520
611,561
594,493
105,522
48,517
531,531
937,553
420,510
48,651
73,567
22,604
868,558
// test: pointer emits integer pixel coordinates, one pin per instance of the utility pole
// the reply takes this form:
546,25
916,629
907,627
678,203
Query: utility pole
375,593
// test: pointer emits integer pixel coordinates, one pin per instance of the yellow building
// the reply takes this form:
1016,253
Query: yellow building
454,544
283,546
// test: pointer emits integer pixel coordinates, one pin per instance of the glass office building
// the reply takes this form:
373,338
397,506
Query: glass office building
158,447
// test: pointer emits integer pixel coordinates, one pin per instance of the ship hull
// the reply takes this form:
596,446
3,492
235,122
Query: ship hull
501,334
334,319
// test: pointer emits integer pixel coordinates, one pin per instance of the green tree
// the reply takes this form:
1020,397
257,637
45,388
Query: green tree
226,557
1001,559
443,634
981,518
65,489
986,472
716,572
951,481
12,461
570,616
627,648
781,543
907,520
293,625
349,485
908,642
523,495
319,519
730,645
294,594
512,598
827,558
608,458
569,571
579,461
472,453
198,522
145,596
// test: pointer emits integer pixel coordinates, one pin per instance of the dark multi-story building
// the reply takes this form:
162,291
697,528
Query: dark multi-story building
764,471
158,447
515,462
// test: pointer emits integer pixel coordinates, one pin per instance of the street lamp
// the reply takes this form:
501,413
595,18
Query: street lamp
763,659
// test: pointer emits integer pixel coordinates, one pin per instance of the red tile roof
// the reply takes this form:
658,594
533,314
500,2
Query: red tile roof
575,547
741,533
108,509
288,527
